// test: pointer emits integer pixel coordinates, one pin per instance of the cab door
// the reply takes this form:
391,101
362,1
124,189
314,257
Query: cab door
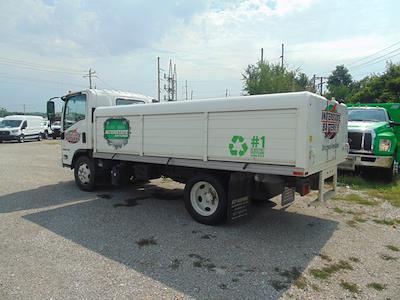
74,127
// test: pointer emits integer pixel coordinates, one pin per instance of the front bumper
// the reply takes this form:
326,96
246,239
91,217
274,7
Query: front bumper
9,137
361,160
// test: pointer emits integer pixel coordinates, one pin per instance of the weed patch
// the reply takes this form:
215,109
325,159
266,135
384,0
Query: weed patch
388,257
376,286
388,192
389,222
393,248
300,282
352,287
338,210
327,271
355,198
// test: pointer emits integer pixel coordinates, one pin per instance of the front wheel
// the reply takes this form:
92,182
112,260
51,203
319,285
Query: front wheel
40,137
205,199
84,171
388,174
21,138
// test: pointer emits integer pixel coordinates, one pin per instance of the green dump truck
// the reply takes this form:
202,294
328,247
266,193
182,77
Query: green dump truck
374,138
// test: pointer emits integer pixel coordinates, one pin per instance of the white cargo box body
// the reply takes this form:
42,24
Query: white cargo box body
302,131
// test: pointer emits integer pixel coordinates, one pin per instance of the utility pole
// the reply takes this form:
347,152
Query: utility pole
226,93
321,83
262,55
176,83
191,95
24,108
90,75
186,90
282,56
158,80
314,90
320,91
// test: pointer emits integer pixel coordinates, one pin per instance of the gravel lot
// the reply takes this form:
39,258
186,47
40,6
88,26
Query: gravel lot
138,242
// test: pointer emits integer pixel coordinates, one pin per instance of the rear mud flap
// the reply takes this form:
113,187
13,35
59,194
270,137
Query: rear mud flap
239,189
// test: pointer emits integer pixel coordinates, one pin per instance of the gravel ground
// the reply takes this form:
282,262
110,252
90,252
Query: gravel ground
138,242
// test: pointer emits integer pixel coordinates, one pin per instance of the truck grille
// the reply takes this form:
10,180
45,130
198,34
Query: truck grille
4,133
360,141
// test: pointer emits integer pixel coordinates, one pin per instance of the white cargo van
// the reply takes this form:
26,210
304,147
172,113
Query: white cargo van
224,150
21,127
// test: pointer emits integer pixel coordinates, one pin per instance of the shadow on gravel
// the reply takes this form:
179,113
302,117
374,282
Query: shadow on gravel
158,238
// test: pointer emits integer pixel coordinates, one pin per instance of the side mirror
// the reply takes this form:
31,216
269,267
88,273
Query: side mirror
393,124
51,111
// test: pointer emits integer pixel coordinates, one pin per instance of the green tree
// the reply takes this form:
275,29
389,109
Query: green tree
379,88
340,83
3,112
267,78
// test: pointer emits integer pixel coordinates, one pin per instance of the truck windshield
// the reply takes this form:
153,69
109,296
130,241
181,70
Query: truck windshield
10,123
369,115
75,110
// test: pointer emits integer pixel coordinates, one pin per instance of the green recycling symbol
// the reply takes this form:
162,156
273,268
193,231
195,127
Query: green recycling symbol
238,146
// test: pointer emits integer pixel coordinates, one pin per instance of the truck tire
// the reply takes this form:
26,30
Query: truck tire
84,171
388,174
54,136
21,138
40,137
205,199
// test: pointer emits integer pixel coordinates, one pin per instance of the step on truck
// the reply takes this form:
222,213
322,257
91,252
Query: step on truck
374,138
226,151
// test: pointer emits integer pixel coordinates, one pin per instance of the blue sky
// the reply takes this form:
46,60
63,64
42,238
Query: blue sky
46,46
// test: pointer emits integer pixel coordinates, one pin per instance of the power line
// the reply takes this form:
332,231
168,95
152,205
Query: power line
36,65
377,59
373,54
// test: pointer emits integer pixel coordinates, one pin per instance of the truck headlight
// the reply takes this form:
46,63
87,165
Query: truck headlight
384,145
15,131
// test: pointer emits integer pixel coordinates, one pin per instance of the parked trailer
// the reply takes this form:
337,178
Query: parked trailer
224,150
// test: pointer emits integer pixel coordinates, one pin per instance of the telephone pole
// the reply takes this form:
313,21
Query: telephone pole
282,55
191,95
321,83
92,73
262,55
226,93
186,90
158,80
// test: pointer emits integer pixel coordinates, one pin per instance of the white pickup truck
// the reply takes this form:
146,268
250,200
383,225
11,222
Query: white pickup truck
225,150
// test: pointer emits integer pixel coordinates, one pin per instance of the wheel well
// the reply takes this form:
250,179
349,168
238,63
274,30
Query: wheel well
80,153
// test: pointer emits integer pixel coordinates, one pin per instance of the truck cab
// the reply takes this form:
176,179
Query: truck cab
373,139
77,117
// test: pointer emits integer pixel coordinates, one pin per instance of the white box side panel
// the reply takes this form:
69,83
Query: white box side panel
173,135
132,144
264,136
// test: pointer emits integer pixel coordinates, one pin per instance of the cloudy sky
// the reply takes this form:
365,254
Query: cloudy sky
46,46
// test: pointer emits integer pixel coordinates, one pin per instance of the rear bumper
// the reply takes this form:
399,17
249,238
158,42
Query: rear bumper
371,161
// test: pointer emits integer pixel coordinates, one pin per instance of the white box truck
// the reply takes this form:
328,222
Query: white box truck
21,128
225,150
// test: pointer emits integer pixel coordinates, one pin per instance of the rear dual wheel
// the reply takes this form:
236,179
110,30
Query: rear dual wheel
205,199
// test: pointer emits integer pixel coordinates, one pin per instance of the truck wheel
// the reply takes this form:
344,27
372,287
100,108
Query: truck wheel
388,174
54,136
46,135
21,138
40,137
84,171
205,199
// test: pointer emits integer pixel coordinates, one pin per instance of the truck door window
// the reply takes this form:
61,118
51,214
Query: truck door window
75,110
24,125
121,101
